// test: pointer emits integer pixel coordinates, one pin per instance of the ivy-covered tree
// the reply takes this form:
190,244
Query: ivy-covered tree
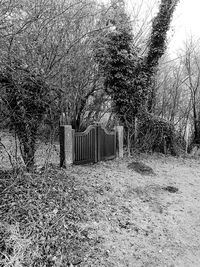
157,44
118,61
129,78
27,103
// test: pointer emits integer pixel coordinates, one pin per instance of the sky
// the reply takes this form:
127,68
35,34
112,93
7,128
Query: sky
185,23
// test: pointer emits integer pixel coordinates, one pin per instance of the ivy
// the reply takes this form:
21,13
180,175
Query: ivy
129,78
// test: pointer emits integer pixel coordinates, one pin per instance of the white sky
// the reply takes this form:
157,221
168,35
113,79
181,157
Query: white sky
185,23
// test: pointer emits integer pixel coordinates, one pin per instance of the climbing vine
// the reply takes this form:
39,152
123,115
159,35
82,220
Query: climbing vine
129,78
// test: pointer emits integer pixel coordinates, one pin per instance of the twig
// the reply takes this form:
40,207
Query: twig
9,155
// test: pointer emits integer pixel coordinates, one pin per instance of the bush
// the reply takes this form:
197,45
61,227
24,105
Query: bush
158,135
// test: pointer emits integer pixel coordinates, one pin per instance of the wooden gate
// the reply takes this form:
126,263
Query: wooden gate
93,145
85,146
106,144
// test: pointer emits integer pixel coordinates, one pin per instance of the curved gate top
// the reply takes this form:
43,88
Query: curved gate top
106,143
92,145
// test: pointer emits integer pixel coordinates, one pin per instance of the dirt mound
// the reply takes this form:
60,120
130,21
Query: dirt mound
141,168
171,189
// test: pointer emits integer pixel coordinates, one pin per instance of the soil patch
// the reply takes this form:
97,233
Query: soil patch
171,189
140,167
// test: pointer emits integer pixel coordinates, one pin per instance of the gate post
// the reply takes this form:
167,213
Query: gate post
66,145
120,140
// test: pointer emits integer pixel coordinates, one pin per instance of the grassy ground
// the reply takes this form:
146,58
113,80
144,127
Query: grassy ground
44,151
139,222
41,217
107,214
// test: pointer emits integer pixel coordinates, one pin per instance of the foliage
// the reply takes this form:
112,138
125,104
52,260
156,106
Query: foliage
46,65
157,134
27,103
40,220
160,27
129,78
157,44
118,62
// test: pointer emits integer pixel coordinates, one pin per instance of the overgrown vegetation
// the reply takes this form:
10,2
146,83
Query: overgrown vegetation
129,78
27,104
80,61
158,135
46,66
118,62
41,216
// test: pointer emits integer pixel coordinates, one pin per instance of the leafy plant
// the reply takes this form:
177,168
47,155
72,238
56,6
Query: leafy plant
129,78
28,101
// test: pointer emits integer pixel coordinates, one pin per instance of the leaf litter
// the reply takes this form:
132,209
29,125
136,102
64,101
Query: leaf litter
102,215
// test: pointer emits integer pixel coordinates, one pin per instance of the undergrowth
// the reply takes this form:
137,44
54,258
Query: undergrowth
40,220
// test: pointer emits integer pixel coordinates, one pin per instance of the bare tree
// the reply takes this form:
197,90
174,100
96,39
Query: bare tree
45,62
191,61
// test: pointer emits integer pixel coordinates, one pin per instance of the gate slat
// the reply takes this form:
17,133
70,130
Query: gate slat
94,144
84,147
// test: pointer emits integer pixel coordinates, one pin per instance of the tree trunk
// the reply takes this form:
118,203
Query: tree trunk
196,126
151,101
27,140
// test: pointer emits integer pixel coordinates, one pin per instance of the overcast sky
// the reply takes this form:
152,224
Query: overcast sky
185,23
186,20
